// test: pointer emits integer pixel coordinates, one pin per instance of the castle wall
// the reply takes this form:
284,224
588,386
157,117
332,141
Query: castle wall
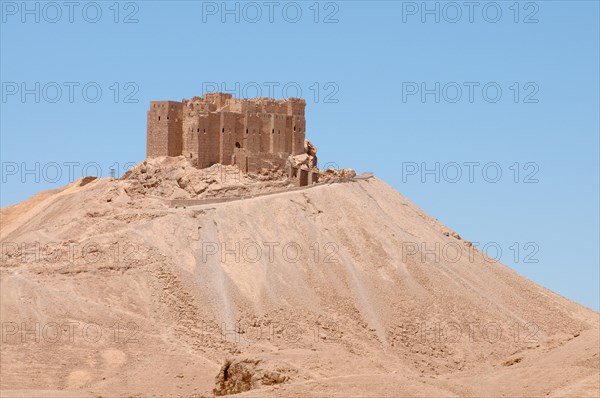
228,137
214,138
265,132
164,129
214,128
287,134
296,107
253,162
204,142
191,130
279,126
303,177
252,132
240,130
298,133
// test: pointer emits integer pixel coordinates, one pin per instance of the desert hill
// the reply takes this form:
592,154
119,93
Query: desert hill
341,289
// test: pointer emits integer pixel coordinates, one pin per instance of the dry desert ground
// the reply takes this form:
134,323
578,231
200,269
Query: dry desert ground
121,288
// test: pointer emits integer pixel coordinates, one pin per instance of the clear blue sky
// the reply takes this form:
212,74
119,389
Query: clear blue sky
369,63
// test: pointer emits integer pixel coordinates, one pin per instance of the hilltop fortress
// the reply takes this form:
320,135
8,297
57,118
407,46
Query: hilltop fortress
250,133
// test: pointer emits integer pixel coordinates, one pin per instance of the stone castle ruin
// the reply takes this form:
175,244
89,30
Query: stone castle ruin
254,134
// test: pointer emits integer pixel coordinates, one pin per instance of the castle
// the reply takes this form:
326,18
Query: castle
217,128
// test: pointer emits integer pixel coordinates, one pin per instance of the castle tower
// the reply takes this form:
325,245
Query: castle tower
295,110
195,127
164,129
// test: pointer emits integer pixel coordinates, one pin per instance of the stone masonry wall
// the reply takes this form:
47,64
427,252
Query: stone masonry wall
164,136
217,128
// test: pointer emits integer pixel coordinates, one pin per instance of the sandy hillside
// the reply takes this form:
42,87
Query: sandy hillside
108,290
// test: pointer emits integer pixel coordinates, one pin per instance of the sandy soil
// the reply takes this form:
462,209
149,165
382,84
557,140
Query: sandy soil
106,291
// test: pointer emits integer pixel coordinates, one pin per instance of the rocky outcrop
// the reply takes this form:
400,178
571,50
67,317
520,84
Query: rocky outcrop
310,148
236,376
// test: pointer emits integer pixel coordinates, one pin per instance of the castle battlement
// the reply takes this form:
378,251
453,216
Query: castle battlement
218,128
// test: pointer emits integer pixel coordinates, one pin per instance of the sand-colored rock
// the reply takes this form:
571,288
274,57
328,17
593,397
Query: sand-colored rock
312,292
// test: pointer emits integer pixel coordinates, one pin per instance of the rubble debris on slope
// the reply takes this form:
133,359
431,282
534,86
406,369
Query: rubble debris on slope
452,234
177,178
264,174
307,160
458,237
339,173
236,376
304,161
